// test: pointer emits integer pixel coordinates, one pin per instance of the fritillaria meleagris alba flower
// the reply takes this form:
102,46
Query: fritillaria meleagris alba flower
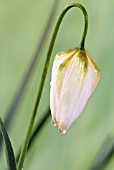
74,78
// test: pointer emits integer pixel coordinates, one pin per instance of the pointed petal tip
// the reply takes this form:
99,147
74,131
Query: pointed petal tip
62,127
53,123
61,132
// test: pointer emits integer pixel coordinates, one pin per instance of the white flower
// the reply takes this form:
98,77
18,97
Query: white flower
74,78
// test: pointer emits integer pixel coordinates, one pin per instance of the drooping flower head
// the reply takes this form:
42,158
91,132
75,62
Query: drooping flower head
74,78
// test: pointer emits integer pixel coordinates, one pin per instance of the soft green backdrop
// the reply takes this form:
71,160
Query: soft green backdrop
21,25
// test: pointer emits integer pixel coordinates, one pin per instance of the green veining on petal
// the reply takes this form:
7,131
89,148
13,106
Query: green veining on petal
95,65
63,64
83,59
68,51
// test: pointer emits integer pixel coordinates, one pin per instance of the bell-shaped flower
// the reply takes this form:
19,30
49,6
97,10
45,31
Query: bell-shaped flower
74,78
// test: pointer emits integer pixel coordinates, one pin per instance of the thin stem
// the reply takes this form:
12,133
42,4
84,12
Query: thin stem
17,98
36,131
43,77
82,44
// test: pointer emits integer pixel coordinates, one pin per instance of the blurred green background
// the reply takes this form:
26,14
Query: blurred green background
21,26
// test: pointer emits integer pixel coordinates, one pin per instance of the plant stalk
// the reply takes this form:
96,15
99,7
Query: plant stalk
46,66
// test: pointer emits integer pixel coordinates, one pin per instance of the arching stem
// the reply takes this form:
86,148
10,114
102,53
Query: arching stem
43,77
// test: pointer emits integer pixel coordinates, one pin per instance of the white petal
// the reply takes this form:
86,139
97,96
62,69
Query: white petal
74,78
55,84
72,85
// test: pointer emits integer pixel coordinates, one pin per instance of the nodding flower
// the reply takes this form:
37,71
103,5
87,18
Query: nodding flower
74,78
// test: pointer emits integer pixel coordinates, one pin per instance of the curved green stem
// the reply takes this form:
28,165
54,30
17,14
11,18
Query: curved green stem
43,77
82,44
